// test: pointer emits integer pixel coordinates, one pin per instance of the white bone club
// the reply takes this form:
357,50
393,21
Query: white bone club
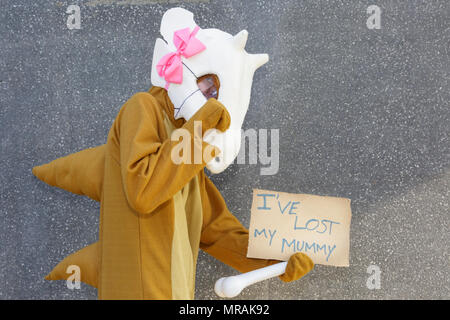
229,287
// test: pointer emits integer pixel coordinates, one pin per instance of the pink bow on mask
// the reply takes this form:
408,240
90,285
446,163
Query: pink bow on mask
170,67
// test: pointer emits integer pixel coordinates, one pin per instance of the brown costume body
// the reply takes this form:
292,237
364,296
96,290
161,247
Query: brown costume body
154,214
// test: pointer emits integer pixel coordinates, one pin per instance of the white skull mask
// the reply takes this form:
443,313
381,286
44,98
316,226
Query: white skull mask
225,57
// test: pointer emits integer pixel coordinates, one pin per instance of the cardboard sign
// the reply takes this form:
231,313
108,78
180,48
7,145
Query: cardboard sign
282,224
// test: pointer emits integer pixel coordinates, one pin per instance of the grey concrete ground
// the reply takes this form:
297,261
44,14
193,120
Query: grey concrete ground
362,114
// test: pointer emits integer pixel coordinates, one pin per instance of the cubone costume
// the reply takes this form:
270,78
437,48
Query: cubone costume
156,214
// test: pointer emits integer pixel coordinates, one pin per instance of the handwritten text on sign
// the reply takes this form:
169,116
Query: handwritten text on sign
285,223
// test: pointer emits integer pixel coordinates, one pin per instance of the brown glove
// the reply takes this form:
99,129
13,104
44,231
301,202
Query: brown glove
298,265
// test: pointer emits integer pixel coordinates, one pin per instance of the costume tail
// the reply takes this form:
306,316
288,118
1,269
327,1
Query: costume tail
80,173
86,259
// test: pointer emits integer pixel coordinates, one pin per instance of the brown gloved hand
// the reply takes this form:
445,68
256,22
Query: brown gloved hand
299,264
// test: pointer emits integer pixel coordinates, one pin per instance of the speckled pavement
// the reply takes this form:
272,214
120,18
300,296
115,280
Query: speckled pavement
362,113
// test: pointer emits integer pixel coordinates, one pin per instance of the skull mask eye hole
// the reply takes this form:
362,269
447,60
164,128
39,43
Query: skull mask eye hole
209,85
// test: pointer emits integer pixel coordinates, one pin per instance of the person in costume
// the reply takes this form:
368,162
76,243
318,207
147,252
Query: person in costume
155,213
